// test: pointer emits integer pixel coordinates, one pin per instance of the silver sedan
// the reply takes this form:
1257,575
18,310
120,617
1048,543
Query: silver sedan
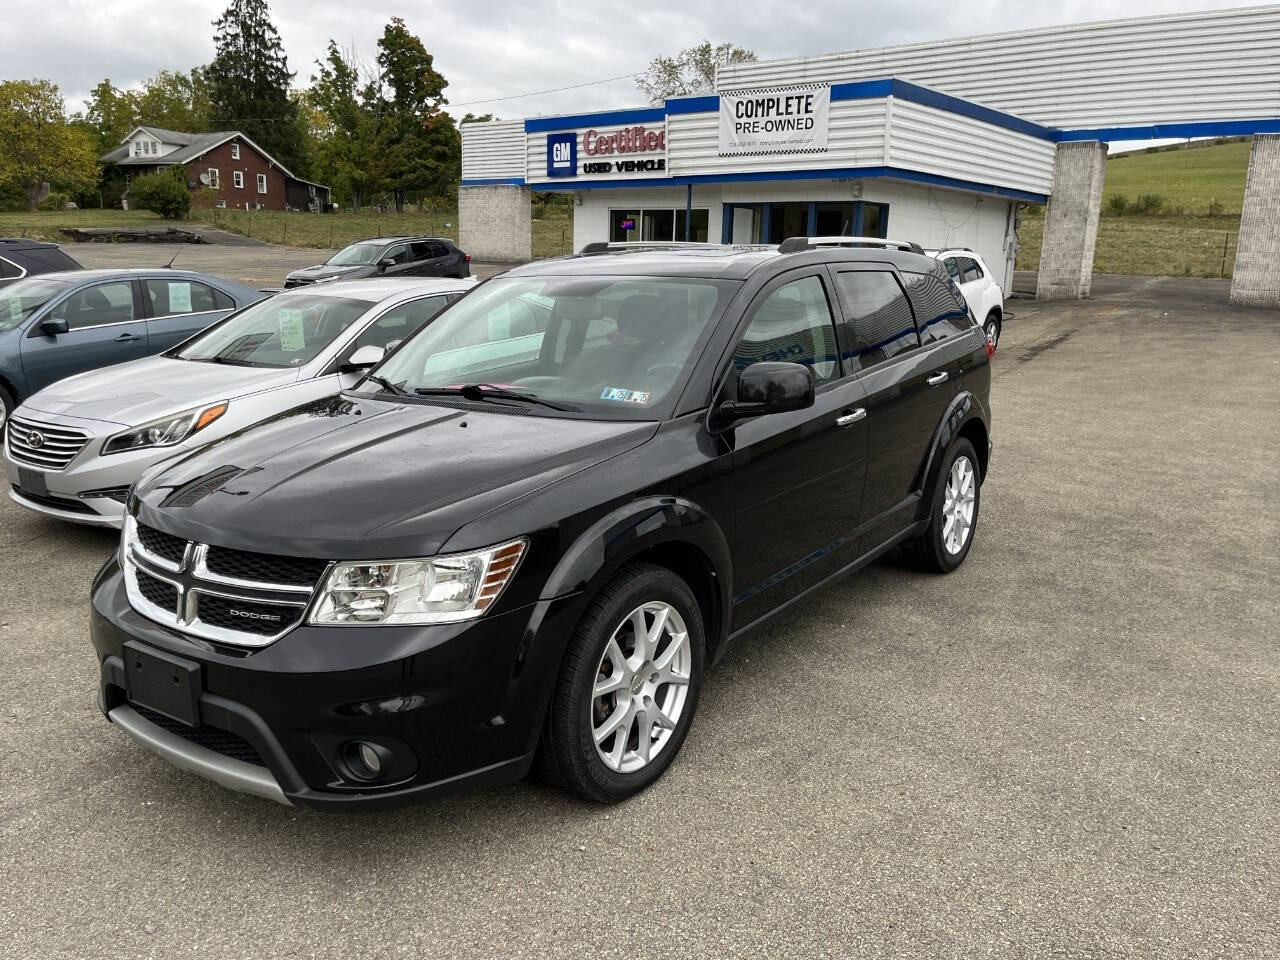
73,449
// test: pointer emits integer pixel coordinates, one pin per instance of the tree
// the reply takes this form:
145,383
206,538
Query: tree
690,73
342,125
249,81
174,100
37,143
109,115
164,192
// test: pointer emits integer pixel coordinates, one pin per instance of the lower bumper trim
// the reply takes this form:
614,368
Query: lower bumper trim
230,773
89,519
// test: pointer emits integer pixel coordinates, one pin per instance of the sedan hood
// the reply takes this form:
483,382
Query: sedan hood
369,479
132,393
323,271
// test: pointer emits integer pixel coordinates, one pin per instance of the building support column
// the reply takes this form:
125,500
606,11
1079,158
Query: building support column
1255,281
494,223
1071,221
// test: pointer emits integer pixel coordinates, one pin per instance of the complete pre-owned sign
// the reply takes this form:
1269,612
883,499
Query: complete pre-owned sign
616,152
778,120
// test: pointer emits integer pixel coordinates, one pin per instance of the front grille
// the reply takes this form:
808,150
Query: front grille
43,445
56,503
161,544
220,741
247,616
263,567
159,592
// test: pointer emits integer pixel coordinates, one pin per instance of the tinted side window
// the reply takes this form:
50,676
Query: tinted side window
398,254
880,322
953,269
222,302
400,323
969,270
940,311
438,249
8,270
98,305
421,250
793,324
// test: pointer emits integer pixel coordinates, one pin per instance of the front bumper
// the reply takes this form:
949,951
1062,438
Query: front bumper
458,705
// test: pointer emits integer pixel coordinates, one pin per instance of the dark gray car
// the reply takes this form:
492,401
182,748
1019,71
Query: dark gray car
21,257
58,324
402,257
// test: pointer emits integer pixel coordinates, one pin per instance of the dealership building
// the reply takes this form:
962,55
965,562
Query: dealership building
943,143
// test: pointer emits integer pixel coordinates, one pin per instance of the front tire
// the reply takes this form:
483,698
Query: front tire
7,406
953,517
628,687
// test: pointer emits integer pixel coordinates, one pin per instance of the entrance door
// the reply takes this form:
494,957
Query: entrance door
743,223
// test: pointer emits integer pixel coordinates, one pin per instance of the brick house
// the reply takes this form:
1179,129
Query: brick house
224,169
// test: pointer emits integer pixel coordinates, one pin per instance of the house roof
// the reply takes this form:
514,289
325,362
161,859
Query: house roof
190,147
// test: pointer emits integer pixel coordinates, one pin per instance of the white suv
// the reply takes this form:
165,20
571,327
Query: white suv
978,285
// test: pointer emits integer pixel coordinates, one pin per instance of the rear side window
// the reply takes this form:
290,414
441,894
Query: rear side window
172,297
400,323
9,270
880,323
793,324
940,311
98,305
421,250
969,270
953,268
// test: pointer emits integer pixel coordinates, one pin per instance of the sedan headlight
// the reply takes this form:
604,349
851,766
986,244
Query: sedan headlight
440,590
165,432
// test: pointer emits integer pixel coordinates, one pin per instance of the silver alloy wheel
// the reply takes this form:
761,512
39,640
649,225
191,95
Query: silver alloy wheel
642,683
992,330
958,505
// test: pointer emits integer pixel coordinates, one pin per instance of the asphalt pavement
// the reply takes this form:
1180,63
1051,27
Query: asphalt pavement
1065,749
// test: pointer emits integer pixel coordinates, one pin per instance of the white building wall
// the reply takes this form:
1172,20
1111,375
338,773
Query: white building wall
1173,68
493,150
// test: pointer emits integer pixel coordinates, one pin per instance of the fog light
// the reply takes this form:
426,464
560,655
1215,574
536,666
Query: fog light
365,760
369,757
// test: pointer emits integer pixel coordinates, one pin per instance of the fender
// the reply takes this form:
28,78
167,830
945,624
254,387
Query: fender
963,408
635,527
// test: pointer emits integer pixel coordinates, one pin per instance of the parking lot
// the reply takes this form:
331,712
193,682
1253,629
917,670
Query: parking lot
1065,749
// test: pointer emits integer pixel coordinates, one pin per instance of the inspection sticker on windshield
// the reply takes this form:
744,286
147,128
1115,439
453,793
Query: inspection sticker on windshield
623,395
291,337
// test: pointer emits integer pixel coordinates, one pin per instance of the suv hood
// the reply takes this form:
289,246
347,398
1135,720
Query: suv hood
132,393
348,478
323,271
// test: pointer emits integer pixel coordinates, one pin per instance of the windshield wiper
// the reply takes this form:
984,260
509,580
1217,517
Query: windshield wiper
387,385
487,391
230,361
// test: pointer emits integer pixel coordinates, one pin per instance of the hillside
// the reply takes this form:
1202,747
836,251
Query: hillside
1186,175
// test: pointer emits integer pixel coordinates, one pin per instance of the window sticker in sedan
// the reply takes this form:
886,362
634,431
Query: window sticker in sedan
179,296
291,336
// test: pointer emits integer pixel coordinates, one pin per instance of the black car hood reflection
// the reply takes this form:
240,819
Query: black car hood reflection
324,270
369,479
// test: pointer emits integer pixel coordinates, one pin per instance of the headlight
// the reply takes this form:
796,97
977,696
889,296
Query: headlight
440,590
165,432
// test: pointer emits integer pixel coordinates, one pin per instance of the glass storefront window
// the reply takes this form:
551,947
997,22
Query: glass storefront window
624,225
699,232
632,225
659,225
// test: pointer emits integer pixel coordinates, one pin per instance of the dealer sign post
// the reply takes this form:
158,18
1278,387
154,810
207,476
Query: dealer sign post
779,120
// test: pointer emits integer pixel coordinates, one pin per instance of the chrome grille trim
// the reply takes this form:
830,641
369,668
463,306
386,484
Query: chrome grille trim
192,581
61,444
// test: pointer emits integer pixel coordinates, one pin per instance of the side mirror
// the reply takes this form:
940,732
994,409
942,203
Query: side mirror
383,264
52,326
765,388
363,359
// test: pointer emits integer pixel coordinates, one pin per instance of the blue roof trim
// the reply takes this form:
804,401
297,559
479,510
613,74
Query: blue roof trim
862,89
577,121
693,105
863,173
1161,131
493,182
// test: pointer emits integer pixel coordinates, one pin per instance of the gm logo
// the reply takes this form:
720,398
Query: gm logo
562,155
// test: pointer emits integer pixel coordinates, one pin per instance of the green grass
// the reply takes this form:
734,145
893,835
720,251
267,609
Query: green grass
1150,246
551,237
1189,176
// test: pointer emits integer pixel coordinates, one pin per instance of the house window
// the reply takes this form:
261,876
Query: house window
238,179
214,180
137,148
262,183
235,151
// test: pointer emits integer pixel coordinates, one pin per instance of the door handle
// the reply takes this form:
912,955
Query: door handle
937,378
127,338
852,417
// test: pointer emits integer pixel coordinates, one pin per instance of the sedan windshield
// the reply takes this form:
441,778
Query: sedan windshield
357,255
287,330
19,300
613,347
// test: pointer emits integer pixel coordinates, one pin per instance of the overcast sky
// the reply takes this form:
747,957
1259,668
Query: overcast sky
488,49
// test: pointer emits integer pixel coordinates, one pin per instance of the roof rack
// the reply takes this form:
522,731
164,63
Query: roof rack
797,244
601,246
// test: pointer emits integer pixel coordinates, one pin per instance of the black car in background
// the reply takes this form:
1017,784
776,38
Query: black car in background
526,534
388,257
20,257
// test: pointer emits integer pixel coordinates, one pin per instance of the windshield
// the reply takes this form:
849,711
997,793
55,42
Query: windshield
19,300
286,330
357,255
612,347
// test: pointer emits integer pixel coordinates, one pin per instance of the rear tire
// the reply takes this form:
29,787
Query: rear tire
625,699
992,328
953,514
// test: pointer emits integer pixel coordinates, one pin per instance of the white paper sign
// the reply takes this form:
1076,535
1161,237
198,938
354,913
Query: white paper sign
291,336
15,309
780,120
179,297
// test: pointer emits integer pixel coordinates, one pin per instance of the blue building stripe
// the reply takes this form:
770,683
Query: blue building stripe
693,105
1175,131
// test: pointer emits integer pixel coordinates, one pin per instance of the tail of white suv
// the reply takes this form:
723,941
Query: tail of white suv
979,286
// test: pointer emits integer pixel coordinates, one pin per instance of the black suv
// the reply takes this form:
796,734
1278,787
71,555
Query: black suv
527,533
20,257
388,257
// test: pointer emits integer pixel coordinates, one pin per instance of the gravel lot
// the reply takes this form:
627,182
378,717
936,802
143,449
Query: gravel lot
1066,749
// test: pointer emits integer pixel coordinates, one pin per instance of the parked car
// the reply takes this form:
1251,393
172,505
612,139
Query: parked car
528,532
75,448
979,286
21,257
58,324
388,257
